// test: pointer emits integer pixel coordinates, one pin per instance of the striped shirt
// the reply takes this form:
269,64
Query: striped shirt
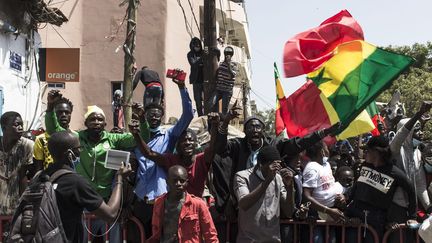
225,78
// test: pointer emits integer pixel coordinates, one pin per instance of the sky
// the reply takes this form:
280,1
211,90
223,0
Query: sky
273,22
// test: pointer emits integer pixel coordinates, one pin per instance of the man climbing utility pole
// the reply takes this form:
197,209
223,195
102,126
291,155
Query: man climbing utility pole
210,47
129,59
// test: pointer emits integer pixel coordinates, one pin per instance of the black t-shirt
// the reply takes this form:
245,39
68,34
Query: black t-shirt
148,76
376,187
74,194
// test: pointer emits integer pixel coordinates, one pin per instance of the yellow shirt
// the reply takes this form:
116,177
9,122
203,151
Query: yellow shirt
40,150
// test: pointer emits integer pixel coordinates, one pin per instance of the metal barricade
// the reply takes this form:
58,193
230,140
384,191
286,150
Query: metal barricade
400,229
3,220
327,226
88,218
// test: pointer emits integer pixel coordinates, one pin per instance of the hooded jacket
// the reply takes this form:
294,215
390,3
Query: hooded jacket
195,60
408,159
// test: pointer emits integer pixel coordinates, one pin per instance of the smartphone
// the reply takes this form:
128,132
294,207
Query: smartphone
176,74
171,73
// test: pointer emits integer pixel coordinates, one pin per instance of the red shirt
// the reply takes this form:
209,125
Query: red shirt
197,172
195,222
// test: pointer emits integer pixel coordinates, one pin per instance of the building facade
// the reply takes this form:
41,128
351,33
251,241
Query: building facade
20,87
164,30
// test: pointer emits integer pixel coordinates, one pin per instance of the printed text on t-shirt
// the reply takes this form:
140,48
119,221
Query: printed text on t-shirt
375,179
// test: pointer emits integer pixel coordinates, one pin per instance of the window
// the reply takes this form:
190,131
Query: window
56,85
116,85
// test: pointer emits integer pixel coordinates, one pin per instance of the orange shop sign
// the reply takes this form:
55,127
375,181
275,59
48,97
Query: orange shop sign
59,64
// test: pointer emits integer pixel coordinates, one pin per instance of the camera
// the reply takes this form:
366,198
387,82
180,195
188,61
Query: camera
176,74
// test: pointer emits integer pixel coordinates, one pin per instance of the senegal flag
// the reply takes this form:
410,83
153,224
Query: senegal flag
280,98
355,75
373,112
306,51
344,75
308,110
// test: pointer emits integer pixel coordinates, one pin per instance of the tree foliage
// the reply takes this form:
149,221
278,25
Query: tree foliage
415,84
268,116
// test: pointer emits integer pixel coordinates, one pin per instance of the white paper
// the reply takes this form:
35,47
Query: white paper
114,158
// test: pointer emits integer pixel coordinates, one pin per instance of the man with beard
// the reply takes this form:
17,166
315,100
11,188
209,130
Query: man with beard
41,156
95,141
15,161
197,165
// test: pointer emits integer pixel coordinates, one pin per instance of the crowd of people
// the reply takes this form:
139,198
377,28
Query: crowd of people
183,192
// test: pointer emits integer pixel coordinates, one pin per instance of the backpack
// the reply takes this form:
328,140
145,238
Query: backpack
37,218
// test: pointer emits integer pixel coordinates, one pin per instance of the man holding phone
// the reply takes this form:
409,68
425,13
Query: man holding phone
151,178
225,77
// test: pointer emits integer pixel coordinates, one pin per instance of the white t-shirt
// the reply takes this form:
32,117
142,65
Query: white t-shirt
320,178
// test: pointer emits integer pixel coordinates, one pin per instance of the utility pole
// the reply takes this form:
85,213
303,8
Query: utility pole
210,61
129,60
245,99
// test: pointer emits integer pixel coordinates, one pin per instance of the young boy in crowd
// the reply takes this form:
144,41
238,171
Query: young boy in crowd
179,216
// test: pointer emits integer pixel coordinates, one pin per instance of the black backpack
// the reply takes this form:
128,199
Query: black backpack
37,218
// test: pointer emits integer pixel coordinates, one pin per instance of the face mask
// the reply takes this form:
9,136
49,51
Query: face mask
196,48
416,142
154,130
325,159
75,160
428,168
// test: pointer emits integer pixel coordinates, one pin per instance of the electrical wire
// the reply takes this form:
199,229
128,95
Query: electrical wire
40,94
193,14
262,99
223,15
188,26
230,11
46,24
51,4
60,36
112,37
112,225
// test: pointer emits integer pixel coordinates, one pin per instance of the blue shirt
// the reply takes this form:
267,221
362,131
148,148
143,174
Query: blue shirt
151,179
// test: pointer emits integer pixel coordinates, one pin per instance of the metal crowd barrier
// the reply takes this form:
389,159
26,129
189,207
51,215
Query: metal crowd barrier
296,224
327,225
402,229
88,218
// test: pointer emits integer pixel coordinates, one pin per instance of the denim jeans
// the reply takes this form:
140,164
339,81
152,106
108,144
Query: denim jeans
218,95
153,94
198,93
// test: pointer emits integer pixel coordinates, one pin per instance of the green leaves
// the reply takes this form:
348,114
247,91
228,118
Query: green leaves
415,84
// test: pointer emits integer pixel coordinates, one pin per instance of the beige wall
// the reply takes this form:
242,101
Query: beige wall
177,46
162,42
92,27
